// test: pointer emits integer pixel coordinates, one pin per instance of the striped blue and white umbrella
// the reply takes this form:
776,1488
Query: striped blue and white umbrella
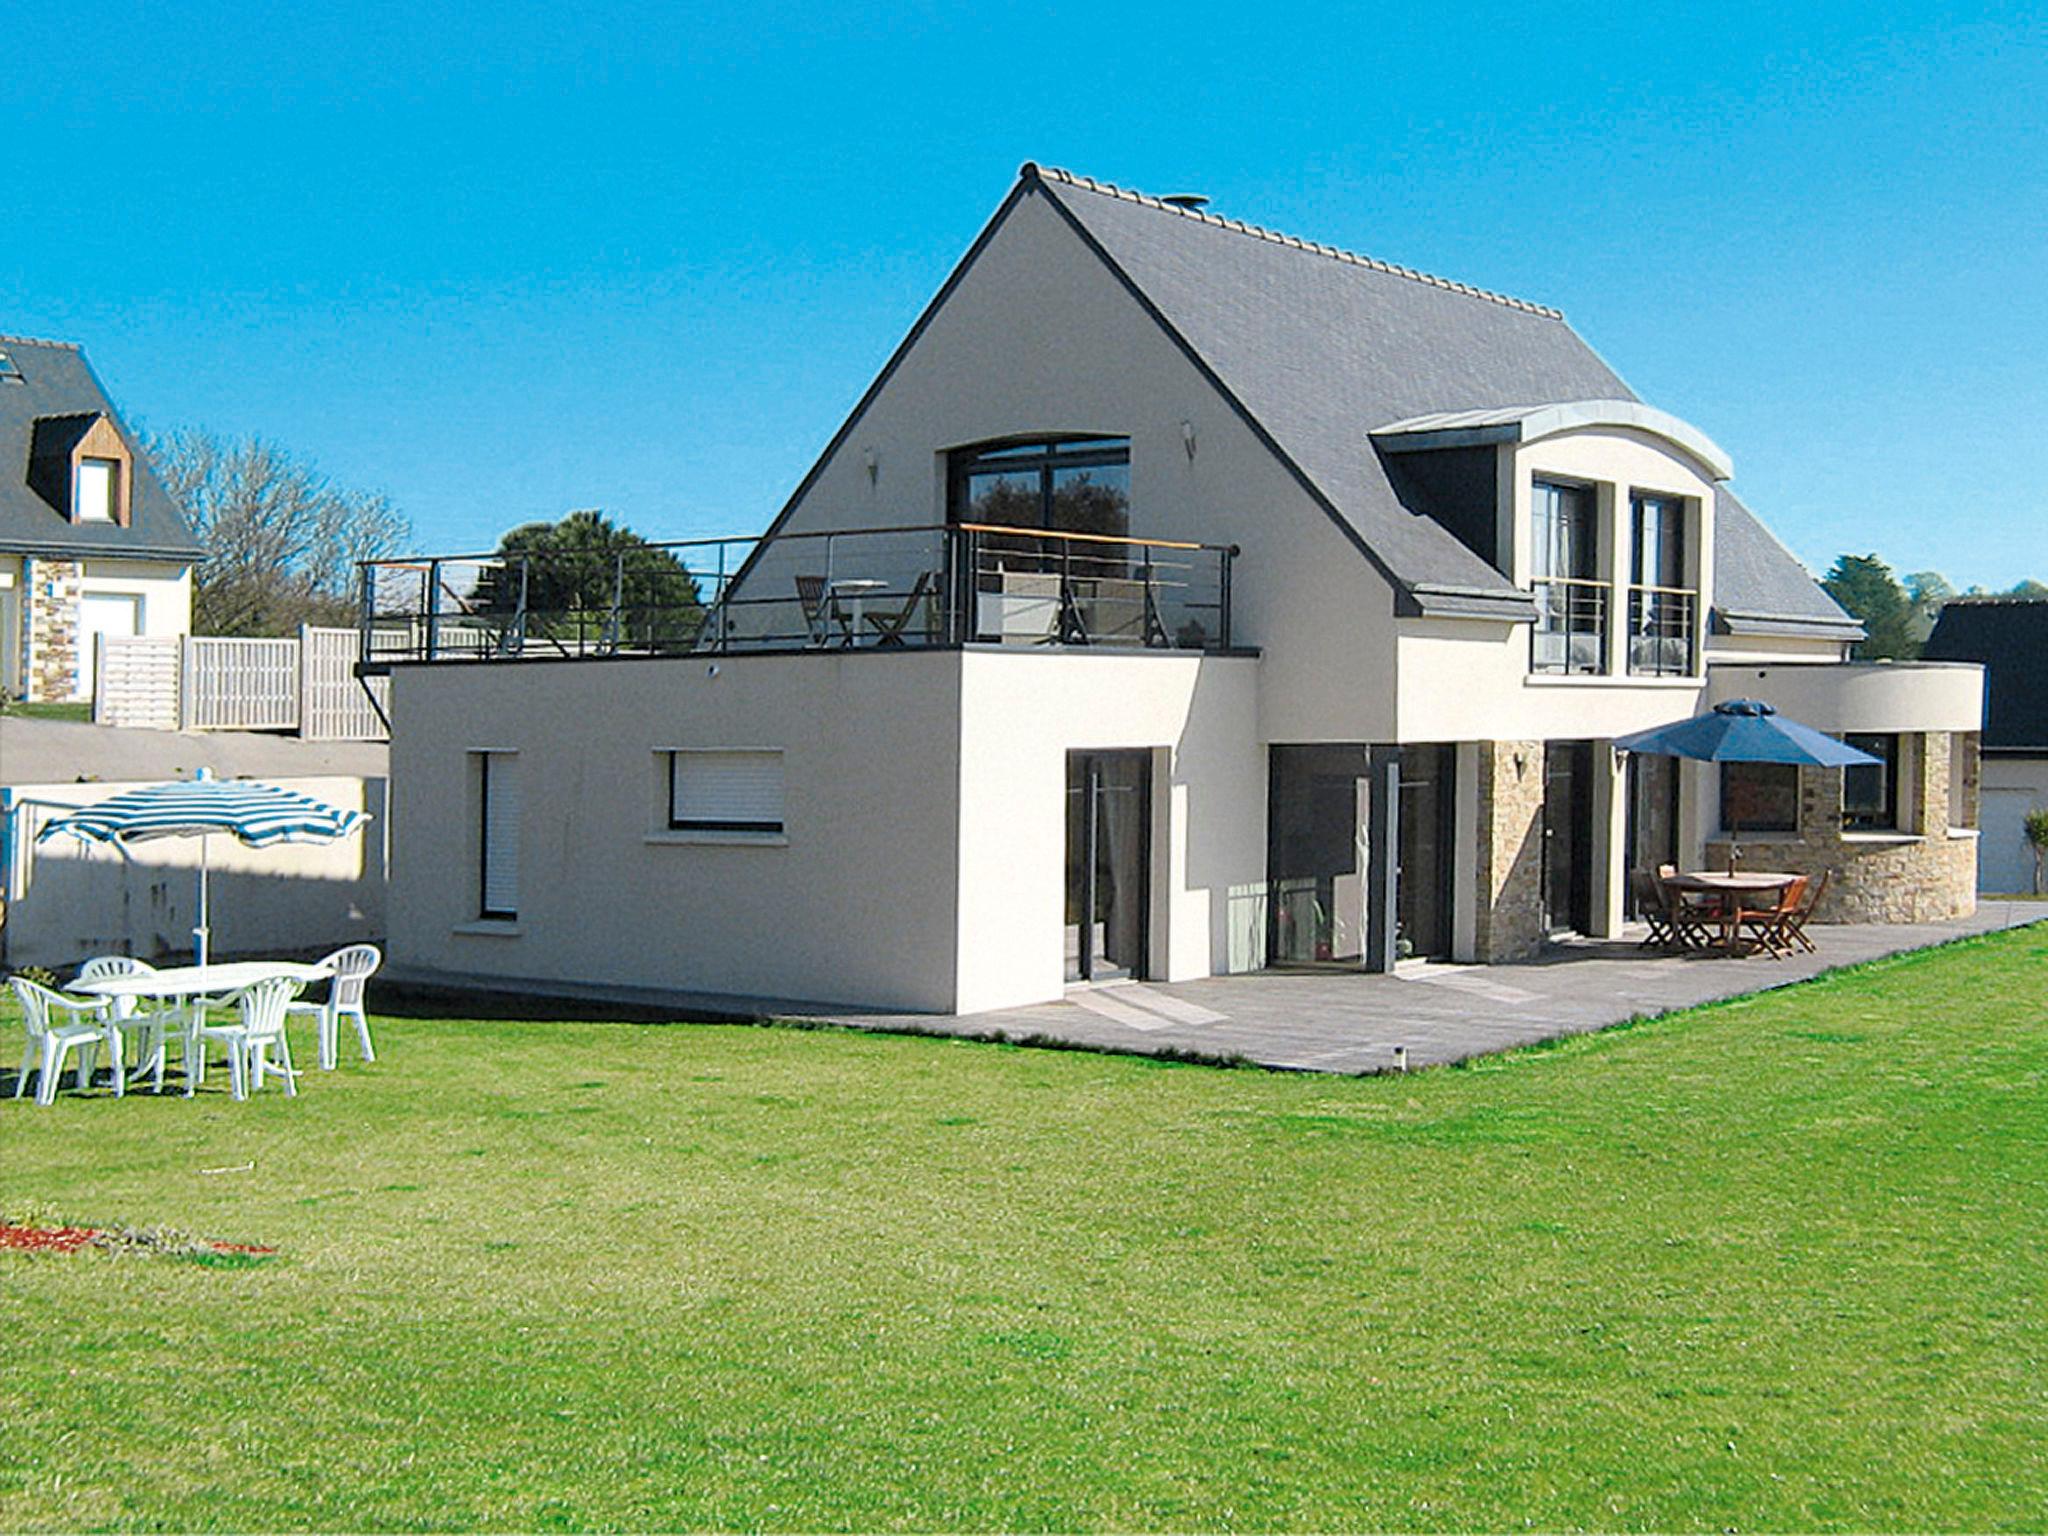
260,815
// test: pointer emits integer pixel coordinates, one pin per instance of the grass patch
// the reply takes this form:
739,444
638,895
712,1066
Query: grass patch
81,711
1779,1263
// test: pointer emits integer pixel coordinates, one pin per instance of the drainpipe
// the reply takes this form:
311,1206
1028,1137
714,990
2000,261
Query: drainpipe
28,622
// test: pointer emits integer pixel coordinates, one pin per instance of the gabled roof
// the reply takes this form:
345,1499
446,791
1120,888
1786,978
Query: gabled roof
1760,588
2009,635
1318,347
57,395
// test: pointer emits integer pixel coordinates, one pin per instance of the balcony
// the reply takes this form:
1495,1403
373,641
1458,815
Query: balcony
1661,630
860,589
1570,633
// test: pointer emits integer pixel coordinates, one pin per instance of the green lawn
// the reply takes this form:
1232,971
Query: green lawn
65,711
1776,1264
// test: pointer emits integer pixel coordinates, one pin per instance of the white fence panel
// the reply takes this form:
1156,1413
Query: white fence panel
241,685
332,703
135,683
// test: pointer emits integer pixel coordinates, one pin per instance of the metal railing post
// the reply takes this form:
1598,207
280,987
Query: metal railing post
366,578
433,609
1226,559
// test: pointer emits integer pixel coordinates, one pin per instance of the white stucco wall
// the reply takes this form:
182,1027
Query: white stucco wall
68,900
1021,713
162,593
1040,337
855,904
1861,696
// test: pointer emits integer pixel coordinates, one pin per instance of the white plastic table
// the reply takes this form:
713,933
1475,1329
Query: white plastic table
179,984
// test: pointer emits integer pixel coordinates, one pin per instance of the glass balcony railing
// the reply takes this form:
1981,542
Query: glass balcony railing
845,590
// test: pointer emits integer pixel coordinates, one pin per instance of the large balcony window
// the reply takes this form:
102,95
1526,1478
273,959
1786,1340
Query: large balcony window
1661,607
1072,486
1571,602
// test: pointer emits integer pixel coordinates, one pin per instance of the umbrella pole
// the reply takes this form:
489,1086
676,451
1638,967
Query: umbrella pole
200,933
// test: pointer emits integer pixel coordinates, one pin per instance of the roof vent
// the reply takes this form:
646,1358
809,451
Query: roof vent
10,371
1187,202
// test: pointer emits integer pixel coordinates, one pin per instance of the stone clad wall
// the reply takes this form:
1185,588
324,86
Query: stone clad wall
51,620
1922,876
1509,922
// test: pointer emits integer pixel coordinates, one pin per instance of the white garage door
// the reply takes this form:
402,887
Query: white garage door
103,613
2004,862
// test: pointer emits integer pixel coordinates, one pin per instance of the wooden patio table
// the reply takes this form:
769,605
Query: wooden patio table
1730,888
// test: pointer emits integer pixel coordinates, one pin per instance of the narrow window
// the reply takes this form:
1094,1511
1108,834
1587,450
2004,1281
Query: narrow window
725,791
1759,797
1870,791
1962,780
498,834
1660,605
99,482
1571,604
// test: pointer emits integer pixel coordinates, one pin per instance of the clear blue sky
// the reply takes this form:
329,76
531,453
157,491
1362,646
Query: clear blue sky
502,261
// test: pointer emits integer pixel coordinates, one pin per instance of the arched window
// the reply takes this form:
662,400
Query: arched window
1078,485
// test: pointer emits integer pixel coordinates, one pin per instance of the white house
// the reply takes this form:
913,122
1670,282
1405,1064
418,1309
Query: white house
1181,598
90,543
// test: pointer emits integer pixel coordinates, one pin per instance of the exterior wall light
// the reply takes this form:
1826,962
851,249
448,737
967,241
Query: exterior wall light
872,465
1187,439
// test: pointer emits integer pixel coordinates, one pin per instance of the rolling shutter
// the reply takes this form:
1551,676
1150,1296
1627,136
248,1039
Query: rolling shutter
499,783
725,791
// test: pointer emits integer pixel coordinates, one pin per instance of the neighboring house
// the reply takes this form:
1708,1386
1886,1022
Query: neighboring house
2008,636
90,542
1181,598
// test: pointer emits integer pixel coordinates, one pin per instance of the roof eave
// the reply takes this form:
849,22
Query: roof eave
1424,600
1727,622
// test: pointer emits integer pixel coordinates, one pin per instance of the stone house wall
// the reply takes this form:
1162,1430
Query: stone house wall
1921,874
50,620
1509,922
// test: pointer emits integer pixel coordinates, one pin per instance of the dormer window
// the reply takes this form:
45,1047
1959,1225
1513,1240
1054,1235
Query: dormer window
96,490
81,466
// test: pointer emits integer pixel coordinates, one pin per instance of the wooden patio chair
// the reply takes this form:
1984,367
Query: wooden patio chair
1795,921
815,593
1693,917
1767,926
1655,909
889,627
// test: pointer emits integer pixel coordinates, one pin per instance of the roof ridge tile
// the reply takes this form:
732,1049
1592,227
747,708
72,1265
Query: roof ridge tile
1276,237
36,341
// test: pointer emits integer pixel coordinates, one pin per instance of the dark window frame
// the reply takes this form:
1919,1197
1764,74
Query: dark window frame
1883,745
1730,826
484,910
708,823
1046,455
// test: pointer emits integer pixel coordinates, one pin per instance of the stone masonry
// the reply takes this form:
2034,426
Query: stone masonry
1921,874
51,625
1509,922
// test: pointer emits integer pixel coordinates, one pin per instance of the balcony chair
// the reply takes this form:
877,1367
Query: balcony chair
351,970
889,627
257,1026
51,1038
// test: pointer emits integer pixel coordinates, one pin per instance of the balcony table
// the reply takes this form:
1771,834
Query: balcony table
855,589
182,985
1730,888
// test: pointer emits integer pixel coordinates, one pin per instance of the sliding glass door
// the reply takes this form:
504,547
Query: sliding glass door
1109,864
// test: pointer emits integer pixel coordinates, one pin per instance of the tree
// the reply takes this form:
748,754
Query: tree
2028,588
1928,592
2036,828
281,538
565,577
1865,586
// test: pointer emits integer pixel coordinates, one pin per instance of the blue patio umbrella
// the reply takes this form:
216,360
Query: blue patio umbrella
260,815
1744,731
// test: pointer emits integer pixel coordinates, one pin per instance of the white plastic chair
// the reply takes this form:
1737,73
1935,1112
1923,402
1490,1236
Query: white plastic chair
351,969
51,1039
129,1017
257,1025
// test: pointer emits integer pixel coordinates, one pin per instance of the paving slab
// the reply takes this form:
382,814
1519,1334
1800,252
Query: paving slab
1348,1022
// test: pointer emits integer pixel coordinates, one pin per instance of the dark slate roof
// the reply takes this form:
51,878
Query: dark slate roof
1760,588
2009,635
1320,346
58,394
